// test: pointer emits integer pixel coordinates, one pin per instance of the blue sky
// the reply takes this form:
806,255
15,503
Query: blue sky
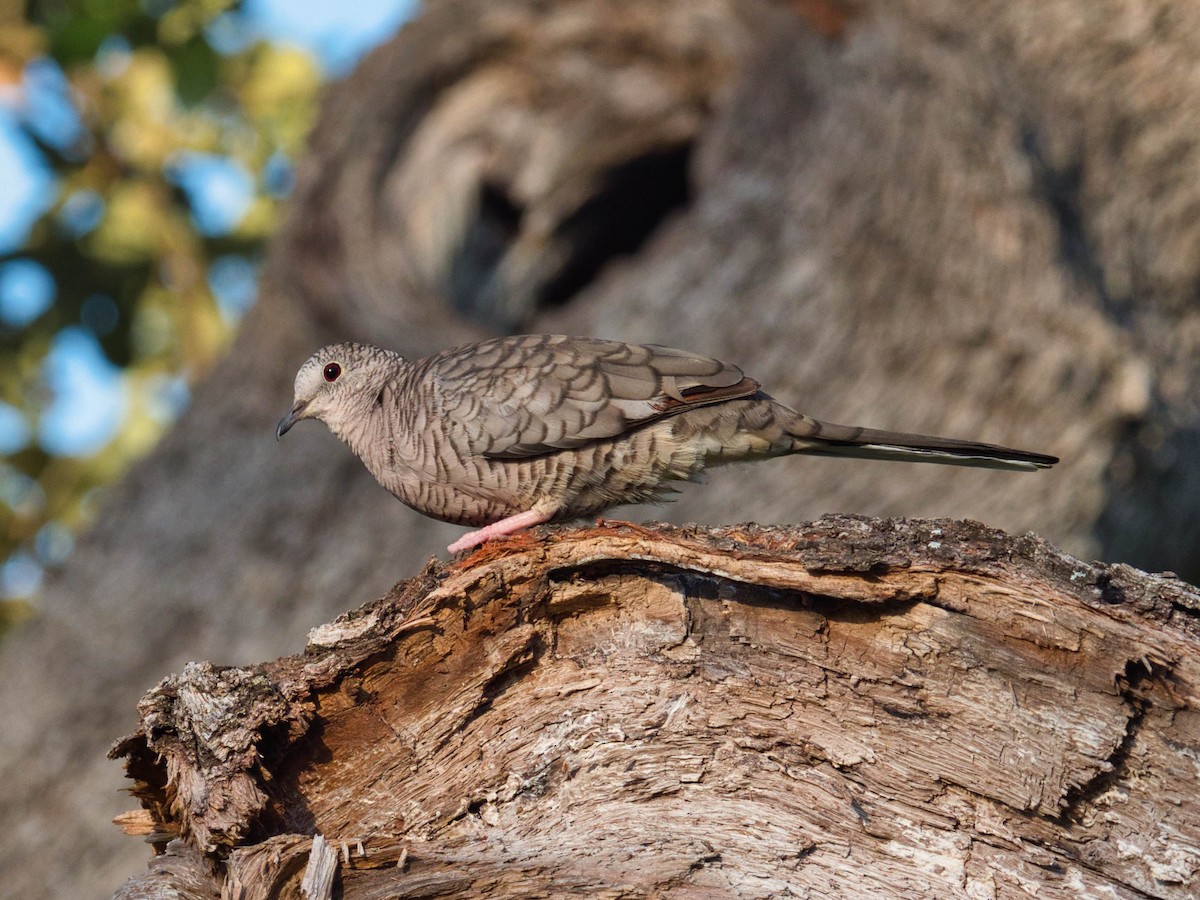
88,395
27,190
337,34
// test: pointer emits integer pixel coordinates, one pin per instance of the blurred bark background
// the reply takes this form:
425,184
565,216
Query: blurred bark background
980,223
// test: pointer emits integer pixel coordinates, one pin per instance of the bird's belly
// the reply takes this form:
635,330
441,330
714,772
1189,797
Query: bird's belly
469,498
634,469
637,467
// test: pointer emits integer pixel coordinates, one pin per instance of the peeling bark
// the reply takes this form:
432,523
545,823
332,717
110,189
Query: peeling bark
893,708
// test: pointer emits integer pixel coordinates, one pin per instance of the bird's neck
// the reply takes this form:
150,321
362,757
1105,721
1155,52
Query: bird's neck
358,423
357,426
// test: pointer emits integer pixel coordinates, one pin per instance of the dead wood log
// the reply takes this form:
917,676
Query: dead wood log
892,708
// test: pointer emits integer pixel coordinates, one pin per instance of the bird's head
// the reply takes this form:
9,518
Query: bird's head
338,384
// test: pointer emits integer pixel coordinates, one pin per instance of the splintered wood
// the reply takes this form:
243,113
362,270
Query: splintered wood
848,708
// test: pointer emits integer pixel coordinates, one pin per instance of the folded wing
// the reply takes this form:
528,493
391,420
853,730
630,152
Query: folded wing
534,394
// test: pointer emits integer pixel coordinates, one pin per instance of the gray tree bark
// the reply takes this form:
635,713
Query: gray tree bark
848,708
978,222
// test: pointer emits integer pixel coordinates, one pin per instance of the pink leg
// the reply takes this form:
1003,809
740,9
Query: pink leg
499,529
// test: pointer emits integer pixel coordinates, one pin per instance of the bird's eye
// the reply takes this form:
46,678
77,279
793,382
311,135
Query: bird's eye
332,371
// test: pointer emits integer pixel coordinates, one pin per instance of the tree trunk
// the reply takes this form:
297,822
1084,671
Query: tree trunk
977,220
853,707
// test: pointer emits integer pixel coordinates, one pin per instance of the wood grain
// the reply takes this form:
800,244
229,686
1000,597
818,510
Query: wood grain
893,708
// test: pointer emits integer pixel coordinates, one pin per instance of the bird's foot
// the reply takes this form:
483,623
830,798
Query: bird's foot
502,528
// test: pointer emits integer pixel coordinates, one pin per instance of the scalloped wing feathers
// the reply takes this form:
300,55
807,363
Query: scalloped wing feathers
522,397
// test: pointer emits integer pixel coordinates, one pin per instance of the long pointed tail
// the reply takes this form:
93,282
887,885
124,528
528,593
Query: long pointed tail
826,439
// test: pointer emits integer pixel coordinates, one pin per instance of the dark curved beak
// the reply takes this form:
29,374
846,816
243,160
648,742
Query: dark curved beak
294,415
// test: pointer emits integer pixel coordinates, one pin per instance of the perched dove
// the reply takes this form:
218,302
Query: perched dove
517,431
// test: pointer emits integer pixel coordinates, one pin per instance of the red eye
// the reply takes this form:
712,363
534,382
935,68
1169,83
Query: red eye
332,371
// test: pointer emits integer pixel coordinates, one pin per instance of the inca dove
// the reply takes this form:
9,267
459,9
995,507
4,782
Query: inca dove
517,431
